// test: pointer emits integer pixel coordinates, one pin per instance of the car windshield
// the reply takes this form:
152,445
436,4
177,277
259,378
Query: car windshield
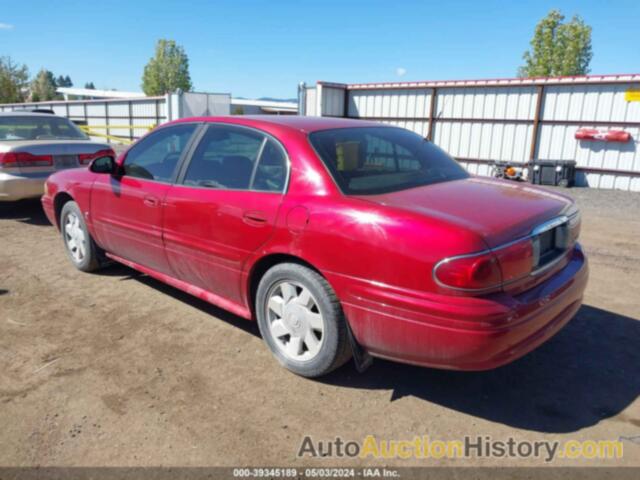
38,127
373,160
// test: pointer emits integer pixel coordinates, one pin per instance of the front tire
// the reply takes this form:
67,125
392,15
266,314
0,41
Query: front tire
80,247
301,320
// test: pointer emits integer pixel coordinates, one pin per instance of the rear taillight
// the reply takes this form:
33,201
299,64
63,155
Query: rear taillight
469,272
87,158
486,271
24,159
516,260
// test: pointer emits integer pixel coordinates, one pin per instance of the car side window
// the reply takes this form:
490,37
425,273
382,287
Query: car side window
224,158
156,156
271,173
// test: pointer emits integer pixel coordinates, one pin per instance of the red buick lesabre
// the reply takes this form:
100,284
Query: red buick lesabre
341,238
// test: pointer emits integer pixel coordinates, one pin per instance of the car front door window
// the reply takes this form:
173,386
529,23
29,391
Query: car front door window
155,157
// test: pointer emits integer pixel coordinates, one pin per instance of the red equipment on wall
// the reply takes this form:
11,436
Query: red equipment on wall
603,135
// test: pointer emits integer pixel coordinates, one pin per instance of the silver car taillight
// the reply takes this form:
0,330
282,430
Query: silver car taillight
24,159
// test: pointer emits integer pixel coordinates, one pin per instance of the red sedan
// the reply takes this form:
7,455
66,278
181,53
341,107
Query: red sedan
339,237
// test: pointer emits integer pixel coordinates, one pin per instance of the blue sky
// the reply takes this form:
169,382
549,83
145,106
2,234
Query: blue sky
261,48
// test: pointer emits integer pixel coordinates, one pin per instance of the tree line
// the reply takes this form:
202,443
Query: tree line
17,87
166,71
557,48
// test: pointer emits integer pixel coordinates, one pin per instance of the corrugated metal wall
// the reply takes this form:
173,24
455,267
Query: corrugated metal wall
402,108
515,120
332,101
492,123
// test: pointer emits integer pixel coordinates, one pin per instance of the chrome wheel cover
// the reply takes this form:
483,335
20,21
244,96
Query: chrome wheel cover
75,238
294,320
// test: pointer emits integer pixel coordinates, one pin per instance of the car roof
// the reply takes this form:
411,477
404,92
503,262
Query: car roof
20,113
293,122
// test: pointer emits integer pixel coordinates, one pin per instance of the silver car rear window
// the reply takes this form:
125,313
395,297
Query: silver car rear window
25,127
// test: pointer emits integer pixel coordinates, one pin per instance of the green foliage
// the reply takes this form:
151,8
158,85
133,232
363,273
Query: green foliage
13,81
558,48
167,71
89,86
43,87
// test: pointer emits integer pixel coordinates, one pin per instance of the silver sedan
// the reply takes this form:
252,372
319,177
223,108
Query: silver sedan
34,145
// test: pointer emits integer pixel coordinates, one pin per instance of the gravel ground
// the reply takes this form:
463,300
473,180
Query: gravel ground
118,369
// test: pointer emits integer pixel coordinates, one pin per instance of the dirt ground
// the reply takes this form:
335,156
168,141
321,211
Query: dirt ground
117,369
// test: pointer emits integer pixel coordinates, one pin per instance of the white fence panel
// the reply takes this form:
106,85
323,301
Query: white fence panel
311,102
332,101
588,103
398,104
513,103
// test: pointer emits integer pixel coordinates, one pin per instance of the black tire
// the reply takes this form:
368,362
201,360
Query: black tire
334,350
90,261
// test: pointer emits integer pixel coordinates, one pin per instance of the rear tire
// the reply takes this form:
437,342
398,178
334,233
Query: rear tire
81,248
301,320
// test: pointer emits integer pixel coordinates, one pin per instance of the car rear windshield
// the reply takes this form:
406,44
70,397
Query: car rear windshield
38,127
372,160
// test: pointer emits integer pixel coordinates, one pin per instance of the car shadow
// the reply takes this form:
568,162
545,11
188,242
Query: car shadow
126,273
588,372
115,269
26,211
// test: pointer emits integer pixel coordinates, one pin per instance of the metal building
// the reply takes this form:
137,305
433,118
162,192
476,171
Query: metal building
516,120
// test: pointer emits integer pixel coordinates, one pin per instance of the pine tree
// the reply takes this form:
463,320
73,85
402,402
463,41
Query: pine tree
13,81
43,87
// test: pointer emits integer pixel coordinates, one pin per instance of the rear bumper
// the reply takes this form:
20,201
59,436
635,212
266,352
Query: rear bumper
17,187
463,333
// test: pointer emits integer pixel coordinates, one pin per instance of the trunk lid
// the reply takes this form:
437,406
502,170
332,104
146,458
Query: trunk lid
498,210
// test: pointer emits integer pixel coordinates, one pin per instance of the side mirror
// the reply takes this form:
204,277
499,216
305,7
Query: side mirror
103,165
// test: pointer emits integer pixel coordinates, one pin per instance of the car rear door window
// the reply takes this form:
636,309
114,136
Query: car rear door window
156,156
225,158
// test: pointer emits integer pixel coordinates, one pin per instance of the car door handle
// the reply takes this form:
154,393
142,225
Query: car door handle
255,218
151,201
